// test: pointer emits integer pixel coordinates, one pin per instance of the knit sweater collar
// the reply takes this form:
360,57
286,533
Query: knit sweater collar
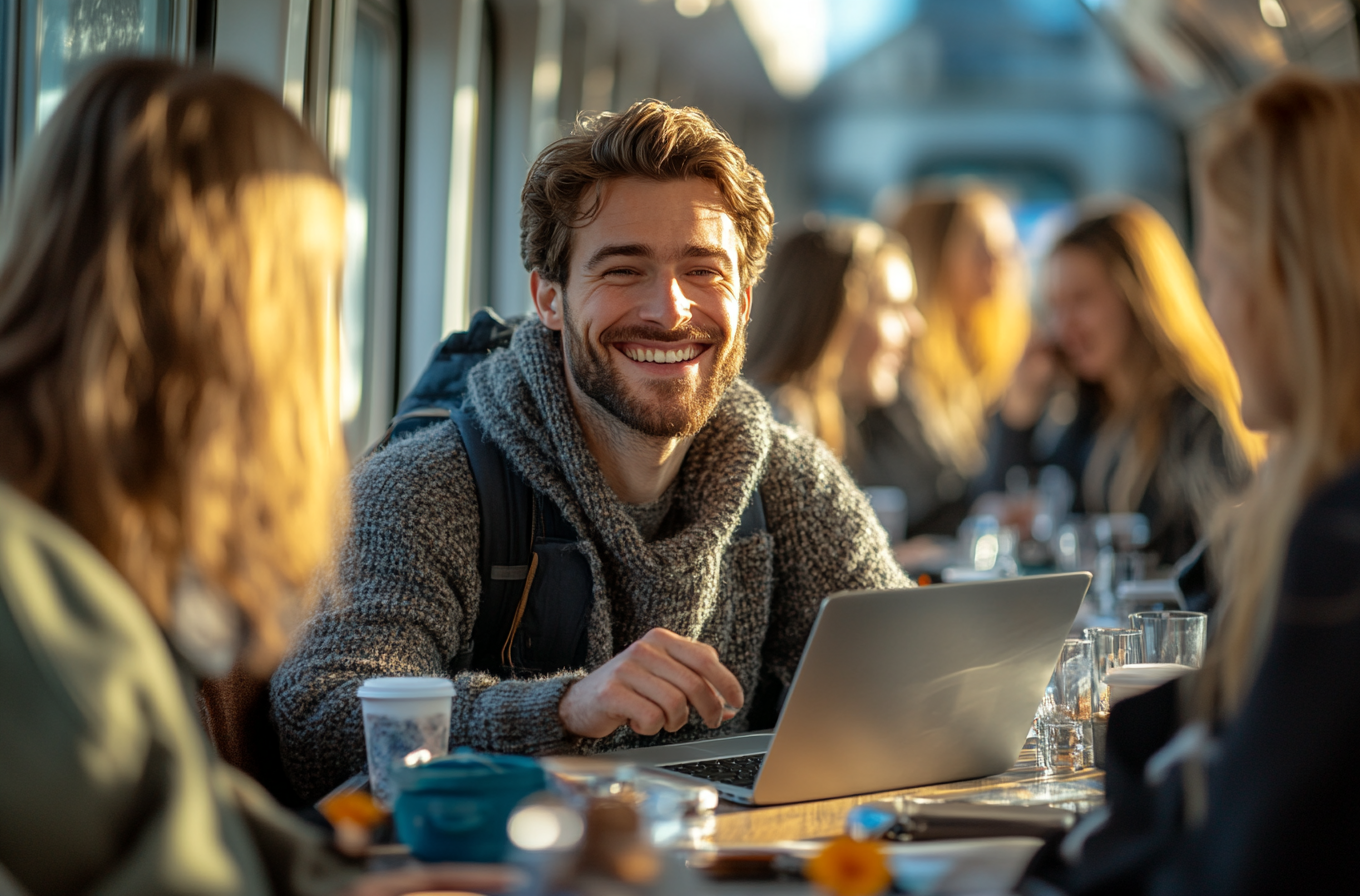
520,396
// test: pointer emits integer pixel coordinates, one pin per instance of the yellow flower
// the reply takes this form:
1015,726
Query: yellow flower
849,867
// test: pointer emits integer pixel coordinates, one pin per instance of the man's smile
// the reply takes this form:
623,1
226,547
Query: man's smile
672,353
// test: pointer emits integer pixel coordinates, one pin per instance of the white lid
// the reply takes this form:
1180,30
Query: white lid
405,688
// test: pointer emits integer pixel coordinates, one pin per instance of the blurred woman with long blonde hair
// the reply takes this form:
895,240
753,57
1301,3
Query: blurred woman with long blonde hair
170,464
1256,791
1156,429
932,441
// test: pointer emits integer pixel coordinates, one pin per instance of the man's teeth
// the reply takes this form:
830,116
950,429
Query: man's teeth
657,356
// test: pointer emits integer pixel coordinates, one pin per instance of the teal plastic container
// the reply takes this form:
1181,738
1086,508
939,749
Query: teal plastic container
455,809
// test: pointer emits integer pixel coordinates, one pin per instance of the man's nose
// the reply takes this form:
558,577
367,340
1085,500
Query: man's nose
666,303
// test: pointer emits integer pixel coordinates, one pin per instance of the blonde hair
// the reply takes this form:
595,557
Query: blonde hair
961,366
1279,169
1144,260
168,336
805,316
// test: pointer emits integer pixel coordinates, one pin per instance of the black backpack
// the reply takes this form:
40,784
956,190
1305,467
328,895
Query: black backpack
537,588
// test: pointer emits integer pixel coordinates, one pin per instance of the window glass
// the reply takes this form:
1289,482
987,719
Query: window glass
66,37
369,227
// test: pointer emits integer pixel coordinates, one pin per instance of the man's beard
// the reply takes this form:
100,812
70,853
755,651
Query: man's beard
673,409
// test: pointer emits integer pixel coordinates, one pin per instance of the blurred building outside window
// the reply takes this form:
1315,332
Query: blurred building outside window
62,39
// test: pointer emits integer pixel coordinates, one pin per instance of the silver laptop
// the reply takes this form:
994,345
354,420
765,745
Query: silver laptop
897,689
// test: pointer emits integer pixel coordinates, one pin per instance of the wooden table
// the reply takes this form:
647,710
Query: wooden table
1025,784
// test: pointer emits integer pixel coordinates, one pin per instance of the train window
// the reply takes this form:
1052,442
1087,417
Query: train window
370,166
61,38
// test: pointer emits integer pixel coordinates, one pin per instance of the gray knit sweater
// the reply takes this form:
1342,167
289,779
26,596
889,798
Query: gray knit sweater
408,581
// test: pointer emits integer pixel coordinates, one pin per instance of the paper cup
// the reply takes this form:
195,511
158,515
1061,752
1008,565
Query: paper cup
406,722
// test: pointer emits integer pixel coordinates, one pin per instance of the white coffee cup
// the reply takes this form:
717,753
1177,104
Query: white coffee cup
406,722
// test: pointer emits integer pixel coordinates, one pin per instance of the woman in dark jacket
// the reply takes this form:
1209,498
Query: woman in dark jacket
1153,426
1241,778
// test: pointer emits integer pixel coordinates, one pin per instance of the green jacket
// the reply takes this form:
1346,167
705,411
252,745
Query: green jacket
107,782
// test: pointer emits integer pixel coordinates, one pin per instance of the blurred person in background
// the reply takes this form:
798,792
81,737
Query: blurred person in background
830,330
1256,792
931,442
1156,428
170,452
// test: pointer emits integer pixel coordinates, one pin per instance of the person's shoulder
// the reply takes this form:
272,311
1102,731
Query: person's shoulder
1195,430
77,624
1324,548
1191,414
1332,511
426,455
47,565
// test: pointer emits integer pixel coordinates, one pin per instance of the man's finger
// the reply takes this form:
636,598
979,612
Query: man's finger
703,659
642,714
697,690
670,699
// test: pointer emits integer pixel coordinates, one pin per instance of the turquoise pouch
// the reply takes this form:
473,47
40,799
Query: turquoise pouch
455,809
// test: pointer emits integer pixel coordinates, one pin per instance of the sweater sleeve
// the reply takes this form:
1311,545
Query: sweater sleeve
826,539
402,603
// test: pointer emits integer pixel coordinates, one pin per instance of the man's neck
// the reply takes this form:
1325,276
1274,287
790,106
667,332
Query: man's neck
638,467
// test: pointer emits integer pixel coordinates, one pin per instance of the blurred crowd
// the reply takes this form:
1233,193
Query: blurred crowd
912,349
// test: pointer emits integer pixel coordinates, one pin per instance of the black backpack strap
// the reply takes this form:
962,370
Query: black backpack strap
752,517
506,509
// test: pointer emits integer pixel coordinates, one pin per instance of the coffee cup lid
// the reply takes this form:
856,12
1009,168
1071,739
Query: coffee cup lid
405,688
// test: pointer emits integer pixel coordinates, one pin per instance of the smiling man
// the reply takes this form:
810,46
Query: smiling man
706,534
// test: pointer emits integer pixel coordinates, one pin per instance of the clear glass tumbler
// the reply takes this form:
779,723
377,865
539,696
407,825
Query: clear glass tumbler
1172,636
1111,648
1064,723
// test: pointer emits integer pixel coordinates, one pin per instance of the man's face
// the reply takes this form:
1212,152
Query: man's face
653,314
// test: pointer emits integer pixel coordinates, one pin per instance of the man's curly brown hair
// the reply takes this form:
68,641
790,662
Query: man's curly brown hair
650,140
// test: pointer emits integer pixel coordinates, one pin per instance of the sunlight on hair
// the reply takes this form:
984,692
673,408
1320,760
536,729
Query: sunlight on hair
898,278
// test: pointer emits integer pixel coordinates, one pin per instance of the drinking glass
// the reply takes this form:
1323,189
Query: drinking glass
1064,723
1111,648
1172,636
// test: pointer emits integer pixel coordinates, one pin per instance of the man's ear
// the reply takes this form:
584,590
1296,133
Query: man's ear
746,304
547,301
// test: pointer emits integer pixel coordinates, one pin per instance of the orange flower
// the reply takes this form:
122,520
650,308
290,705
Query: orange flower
356,807
850,868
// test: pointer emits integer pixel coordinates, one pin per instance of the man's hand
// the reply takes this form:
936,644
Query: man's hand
651,685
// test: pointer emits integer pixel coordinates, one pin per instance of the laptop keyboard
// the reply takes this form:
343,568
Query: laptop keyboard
737,771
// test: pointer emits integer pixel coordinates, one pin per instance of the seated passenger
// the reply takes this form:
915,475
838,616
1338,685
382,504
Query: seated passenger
830,328
1258,792
620,405
1155,429
169,440
931,442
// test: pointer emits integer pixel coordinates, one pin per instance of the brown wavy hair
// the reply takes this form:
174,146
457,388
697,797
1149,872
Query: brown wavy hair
652,140
806,313
168,260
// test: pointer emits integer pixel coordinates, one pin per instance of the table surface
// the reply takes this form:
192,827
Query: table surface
1026,784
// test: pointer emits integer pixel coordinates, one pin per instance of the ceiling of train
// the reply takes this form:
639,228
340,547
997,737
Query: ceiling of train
1188,53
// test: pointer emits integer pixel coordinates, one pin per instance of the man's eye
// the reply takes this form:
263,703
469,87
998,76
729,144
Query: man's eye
612,272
